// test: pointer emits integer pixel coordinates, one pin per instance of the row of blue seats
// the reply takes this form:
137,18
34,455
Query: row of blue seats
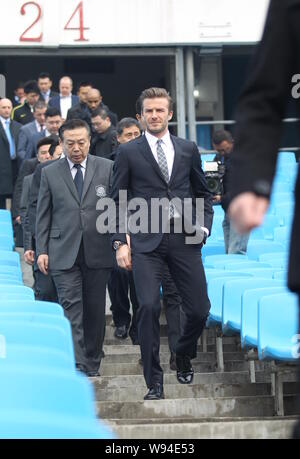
258,307
41,393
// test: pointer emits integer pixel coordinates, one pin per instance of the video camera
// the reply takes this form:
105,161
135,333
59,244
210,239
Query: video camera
214,173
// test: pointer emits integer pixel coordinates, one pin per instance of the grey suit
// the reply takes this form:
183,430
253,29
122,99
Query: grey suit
80,259
25,150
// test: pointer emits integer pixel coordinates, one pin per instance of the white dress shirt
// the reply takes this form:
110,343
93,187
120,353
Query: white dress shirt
38,126
3,121
168,148
65,105
74,170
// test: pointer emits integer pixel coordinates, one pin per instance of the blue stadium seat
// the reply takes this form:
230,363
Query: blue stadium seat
10,258
30,306
280,275
278,327
13,292
249,313
210,259
215,294
6,243
277,260
256,248
267,273
249,264
11,271
47,405
24,333
5,216
232,300
7,279
213,248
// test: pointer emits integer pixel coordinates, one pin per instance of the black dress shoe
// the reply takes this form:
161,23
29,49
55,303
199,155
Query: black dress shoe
121,332
155,393
93,374
185,372
173,365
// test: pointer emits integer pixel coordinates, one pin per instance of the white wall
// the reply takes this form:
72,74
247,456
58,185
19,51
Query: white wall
132,22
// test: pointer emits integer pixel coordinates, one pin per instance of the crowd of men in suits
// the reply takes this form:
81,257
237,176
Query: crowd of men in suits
60,155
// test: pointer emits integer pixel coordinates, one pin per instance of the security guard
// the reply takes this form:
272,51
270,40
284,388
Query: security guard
24,113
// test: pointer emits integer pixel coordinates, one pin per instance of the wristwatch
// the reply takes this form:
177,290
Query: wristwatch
118,244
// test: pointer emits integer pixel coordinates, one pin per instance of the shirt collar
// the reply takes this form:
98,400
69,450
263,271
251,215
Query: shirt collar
3,120
66,97
166,139
71,165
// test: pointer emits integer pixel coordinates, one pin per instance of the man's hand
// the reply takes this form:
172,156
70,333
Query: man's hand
247,211
29,257
43,262
123,255
217,199
18,220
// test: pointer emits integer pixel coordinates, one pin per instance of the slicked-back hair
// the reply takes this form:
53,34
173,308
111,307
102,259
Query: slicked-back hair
126,123
153,93
45,141
44,75
221,135
51,112
100,111
40,105
71,125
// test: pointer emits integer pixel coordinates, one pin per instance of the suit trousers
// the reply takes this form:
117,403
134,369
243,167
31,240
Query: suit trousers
186,268
82,293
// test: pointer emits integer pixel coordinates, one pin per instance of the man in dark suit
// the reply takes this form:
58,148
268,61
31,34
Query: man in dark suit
166,168
259,115
81,111
65,100
95,101
66,224
45,86
24,113
9,135
104,138
29,131
53,121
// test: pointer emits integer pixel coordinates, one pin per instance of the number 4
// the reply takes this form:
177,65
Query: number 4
81,27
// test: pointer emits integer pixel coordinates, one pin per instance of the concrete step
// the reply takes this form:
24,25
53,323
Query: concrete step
115,369
125,347
267,428
127,381
174,391
165,357
164,341
248,406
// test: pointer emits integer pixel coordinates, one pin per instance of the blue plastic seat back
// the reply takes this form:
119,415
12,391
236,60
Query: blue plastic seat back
232,300
256,248
215,294
278,327
280,275
10,258
213,248
277,260
13,271
38,334
14,292
38,307
247,265
222,263
267,273
5,216
12,280
210,259
35,357
6,243
249,312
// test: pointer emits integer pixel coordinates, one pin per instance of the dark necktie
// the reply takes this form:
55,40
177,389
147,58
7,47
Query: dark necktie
78,180
163,165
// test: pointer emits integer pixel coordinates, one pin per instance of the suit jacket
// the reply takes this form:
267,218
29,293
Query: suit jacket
34,141
27,132
55,101
137,171
34,194
52,94
63,221
28,168
6,172
27,236
23,114
103,145
260,110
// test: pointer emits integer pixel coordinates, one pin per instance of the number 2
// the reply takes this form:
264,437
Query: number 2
23,12
81,27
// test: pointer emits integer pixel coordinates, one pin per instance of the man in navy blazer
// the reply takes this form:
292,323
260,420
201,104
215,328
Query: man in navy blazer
66,99
28,131
161,166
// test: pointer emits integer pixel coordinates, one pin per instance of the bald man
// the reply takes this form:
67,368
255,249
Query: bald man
95,100
66,99
9,134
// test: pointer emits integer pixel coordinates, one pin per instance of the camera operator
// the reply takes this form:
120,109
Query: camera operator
223,143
